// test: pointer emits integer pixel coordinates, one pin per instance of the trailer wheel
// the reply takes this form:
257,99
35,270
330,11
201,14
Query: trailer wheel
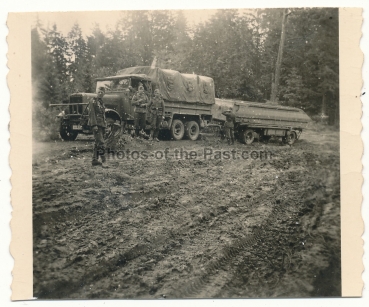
177,129
248,136
67,134
192,130
290,138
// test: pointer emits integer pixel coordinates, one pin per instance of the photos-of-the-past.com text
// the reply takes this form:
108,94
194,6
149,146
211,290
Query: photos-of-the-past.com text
182,154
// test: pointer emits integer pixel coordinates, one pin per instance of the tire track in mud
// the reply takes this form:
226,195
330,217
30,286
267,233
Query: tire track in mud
106,267
62,289
115,263
195,287
80,216
202,285
59,206
182,233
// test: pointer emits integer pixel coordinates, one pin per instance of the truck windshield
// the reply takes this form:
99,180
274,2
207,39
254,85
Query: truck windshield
117,85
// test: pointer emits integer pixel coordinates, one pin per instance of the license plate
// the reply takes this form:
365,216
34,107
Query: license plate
77,127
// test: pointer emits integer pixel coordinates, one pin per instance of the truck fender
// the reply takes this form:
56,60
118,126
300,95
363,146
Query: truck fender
113,114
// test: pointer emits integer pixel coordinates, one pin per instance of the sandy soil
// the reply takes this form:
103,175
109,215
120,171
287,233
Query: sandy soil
181,228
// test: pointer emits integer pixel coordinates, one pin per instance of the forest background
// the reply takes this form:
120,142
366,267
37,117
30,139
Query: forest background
237,48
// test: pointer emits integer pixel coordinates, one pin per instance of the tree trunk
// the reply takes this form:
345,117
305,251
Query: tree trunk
275,88
324,109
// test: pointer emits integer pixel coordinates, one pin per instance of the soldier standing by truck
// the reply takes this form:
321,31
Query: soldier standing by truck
96,120
157,109
140,102
229,125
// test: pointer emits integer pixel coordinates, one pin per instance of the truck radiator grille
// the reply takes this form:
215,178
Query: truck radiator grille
76,99
76,109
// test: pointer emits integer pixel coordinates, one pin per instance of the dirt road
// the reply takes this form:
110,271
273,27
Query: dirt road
259,224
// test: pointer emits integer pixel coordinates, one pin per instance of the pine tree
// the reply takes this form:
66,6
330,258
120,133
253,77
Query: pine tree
45,88
137,34
47,68
38,52
95,43
223,49
50,91
181,43
57,49
148,34
292,92
79,61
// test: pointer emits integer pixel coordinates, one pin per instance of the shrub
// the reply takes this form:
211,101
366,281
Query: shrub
45,124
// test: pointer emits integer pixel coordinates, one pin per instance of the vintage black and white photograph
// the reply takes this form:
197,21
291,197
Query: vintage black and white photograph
186,154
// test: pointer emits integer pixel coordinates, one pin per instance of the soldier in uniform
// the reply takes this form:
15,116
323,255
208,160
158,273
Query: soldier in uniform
97,121
157,109
229,125
140,102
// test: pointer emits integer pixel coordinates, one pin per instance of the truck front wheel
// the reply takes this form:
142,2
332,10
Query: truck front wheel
192,130
109,127
248,136
177,129
67,134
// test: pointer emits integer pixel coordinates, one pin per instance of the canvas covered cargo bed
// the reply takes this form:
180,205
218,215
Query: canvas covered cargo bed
263,115
175,86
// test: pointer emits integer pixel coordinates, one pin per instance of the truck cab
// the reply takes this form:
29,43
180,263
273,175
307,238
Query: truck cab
119,91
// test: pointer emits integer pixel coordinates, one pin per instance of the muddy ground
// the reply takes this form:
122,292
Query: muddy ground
257,225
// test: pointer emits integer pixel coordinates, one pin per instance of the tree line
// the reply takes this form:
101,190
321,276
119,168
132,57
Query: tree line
237,48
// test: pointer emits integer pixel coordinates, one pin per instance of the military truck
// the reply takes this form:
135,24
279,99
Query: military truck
190,105
188,102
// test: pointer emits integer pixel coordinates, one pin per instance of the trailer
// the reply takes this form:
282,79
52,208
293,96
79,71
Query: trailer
262,121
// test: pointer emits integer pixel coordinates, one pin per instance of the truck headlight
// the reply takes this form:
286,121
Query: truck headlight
61,114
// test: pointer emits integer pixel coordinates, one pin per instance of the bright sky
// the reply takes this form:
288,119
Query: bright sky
106,19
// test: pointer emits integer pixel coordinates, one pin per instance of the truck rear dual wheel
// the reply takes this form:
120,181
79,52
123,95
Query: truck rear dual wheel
192,130
177,129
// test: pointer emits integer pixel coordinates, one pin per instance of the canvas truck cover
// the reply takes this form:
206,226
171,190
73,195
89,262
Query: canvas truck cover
262,114
175,86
